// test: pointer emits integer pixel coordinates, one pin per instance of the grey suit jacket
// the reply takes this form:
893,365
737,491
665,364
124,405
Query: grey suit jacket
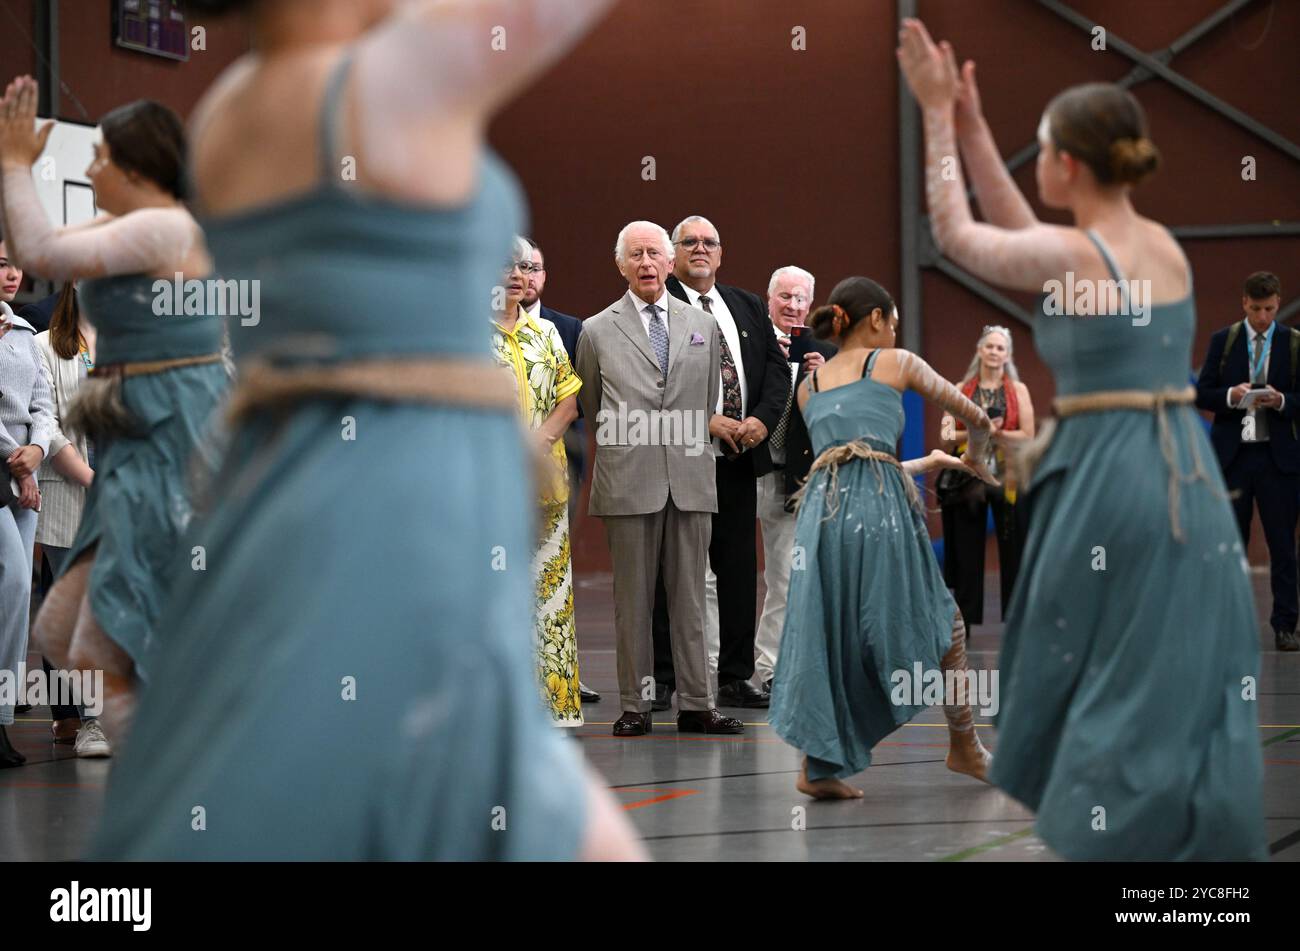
652,437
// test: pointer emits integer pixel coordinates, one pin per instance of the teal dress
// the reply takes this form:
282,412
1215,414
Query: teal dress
1122,721
141,501
869,598
356,675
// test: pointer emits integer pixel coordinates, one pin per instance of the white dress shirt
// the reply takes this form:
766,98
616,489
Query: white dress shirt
642,308
535,311
730,333
1251,335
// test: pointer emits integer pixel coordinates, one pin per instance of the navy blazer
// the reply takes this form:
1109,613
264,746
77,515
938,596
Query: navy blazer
570,329
767,374
40,313
1212,395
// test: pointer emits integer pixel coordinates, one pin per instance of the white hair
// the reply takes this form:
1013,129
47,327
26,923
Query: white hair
521,249
677,232
622,239
793,271
1009,368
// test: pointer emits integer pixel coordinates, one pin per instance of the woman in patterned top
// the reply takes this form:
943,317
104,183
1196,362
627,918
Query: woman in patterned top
548,387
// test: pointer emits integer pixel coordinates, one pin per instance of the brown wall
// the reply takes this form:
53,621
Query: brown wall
102,75
794,155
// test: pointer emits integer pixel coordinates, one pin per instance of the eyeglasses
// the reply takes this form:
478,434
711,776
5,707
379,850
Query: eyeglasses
525,267
786,298
710,244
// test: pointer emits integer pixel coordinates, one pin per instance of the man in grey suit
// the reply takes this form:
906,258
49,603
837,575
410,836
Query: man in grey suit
649,370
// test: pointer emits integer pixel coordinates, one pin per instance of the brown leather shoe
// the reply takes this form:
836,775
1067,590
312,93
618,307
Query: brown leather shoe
707,721
632,723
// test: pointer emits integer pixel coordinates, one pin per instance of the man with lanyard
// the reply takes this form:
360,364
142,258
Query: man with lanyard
1254,433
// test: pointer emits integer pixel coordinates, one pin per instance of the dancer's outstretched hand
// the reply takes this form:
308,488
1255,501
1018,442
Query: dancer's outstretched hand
931,73
943,460
980,469
20,141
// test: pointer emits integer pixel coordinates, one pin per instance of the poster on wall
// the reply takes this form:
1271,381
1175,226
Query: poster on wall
151,26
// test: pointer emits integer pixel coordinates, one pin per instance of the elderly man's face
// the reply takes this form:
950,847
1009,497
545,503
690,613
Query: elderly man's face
789,301
645,263
698,254
536,280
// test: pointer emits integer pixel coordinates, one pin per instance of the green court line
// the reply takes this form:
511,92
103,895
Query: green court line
1282,736
976,850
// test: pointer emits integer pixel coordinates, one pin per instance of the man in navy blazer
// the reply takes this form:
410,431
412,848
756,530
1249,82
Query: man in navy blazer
1257,446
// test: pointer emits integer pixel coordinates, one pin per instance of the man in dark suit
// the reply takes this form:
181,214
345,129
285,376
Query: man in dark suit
1257,445
575,437
755,386
789,298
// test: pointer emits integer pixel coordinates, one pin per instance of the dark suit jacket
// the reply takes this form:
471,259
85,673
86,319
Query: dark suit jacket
570,329
798,443
40,313
1212,394
767,374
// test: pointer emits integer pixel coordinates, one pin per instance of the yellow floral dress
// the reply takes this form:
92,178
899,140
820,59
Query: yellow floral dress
533,350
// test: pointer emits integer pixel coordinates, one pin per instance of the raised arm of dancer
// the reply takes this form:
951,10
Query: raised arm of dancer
436,59
937,459
918,375
149,241
1001,201
1026,258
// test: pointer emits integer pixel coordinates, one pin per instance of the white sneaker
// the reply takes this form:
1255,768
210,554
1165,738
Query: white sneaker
91,742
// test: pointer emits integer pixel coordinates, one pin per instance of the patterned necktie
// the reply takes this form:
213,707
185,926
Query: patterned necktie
777,441
658,337
730,378
1261,419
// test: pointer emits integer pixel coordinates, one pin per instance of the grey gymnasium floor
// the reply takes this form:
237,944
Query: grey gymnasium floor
731,798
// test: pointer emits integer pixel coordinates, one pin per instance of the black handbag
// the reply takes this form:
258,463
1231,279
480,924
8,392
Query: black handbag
955,487
7,497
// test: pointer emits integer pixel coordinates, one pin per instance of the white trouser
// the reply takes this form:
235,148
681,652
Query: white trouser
778,544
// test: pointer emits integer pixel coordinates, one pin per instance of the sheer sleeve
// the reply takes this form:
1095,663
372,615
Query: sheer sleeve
1025,259
149,241
920,376
442,58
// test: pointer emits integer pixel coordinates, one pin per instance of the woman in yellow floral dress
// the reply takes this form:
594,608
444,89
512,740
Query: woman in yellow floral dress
548,387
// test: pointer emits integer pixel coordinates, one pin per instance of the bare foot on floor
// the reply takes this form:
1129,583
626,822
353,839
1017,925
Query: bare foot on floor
824,788
970,757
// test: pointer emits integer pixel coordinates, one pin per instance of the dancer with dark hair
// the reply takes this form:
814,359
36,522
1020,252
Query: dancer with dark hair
867,599
407,720
155,386
1124,720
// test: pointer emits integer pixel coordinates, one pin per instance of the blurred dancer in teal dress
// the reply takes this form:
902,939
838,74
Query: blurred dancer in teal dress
356,678
1125,719
156,385
867,600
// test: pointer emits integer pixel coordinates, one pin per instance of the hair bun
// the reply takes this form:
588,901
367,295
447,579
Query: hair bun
822,322
1132,161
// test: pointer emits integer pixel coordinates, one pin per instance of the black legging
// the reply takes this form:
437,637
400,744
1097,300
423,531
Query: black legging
964,530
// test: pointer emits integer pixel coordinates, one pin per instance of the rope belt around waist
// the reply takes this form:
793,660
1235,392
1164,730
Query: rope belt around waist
144,367
475,384
1157,402
836,456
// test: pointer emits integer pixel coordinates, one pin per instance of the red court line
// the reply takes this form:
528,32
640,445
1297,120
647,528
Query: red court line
675,794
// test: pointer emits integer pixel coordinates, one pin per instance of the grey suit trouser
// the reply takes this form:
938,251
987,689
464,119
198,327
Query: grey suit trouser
638,545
